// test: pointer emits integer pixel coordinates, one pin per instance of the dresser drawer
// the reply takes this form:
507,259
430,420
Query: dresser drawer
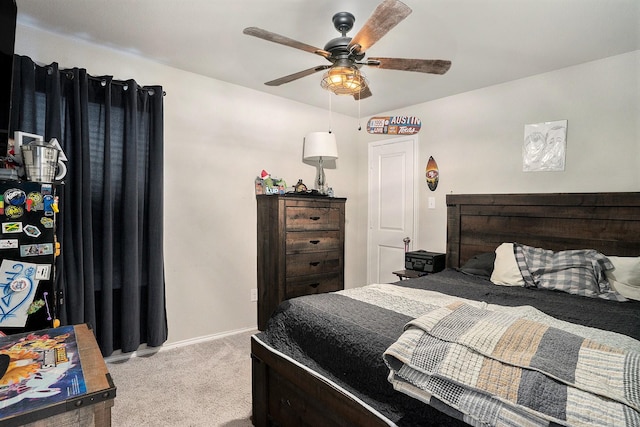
306,285
314,241
312,218
313,263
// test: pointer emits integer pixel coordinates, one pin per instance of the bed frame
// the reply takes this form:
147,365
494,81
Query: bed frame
287,394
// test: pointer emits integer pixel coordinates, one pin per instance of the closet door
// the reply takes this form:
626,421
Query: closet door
391,206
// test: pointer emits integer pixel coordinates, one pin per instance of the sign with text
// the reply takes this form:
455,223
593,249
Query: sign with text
394,125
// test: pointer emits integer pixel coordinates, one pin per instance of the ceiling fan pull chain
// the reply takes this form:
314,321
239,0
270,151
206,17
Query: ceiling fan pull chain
330,113
359,123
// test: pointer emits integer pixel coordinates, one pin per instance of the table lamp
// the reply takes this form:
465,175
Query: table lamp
320,146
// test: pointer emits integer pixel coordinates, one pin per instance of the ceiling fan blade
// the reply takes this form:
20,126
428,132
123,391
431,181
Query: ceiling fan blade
432,66
387,15
277,38
364,93
296,76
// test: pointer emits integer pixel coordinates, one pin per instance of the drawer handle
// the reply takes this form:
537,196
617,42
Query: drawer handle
285,401
314,285
314,263
314,218
314,242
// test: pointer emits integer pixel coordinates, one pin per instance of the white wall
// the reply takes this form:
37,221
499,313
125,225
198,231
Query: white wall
476,137
218,137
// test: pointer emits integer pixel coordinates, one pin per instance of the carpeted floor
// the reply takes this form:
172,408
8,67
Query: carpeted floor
204,384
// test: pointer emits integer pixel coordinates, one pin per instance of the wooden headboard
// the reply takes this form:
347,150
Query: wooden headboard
607,222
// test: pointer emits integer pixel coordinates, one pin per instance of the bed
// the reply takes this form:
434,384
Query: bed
320,360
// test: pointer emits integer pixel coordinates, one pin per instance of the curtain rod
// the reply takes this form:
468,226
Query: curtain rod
69,74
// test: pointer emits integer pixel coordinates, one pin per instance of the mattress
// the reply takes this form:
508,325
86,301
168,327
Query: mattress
342,336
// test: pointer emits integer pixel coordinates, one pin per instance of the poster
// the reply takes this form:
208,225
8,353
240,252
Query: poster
45,369
18,286
544,146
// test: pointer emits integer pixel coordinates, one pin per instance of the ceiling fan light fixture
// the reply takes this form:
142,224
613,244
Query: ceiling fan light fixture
343,80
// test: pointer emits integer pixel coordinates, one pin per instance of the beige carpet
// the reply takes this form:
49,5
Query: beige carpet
204,384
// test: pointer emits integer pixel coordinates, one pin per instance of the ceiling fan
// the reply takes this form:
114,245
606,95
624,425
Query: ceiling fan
347,54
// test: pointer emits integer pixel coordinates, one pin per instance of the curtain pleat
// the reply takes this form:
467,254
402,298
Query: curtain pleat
111,270
107,210
130,252
155,220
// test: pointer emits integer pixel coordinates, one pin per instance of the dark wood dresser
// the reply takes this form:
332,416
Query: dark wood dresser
300,248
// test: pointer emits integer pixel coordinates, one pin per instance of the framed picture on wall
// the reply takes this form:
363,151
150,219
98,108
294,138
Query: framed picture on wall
544,147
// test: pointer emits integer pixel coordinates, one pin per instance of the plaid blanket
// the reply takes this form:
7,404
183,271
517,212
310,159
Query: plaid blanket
501,369
578,272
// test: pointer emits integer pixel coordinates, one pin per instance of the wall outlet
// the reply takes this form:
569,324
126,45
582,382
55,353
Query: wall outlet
254,294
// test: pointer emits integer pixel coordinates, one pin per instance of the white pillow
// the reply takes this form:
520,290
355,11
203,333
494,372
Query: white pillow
625,276
629,292
625,270
505,267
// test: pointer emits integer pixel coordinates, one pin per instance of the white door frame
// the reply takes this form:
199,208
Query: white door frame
415,144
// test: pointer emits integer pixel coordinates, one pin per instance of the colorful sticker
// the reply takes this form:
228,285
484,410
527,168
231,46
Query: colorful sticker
14,212
46,189
46,222
35,306
31,230
36,201
11,227
15,197
48,204
20,284
36,249
9,244
43,272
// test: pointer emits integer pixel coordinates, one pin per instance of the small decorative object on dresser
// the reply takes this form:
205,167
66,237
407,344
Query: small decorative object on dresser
300,187
300,248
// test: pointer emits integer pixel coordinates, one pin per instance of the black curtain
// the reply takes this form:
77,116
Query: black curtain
110,273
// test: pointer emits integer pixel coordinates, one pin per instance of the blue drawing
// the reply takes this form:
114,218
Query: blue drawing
17,290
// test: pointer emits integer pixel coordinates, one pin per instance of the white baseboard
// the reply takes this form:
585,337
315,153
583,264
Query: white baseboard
143,350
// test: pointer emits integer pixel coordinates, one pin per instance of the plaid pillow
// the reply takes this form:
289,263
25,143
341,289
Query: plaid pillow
578,272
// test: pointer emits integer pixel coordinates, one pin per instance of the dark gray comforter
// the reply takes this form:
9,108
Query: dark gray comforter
344,338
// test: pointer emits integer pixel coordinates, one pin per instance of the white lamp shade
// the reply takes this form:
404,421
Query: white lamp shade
319,145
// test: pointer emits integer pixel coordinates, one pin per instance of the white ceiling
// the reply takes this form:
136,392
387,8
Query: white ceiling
488,41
